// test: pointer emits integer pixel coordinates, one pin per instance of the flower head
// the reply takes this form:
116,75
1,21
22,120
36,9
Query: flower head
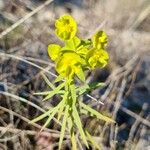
70,64
77,55
66,27
97,58
100,40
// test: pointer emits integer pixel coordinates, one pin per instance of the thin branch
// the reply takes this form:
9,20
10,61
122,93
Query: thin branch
140,18
19,22
134,115
27,132
26,120
28,62
23,100
28,102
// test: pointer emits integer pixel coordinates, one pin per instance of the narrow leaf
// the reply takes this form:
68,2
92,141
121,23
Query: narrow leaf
56,90
58,79
53,112
52,93
47,81
50,118
73,141
83,89
83,111
79,125
73,94
60,86
63,126
62,105
87,88
70,123
96,113
41,116
96,85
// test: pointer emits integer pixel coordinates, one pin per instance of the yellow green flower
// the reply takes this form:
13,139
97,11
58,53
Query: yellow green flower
66,27
97,58
54,51
99,40
76,56
70,64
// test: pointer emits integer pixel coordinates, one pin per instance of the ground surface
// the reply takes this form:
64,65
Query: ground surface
23,56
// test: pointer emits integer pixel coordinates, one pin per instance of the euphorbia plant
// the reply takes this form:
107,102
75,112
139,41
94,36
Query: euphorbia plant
71,62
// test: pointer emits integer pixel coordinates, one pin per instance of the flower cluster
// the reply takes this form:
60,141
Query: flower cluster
77,55
72,59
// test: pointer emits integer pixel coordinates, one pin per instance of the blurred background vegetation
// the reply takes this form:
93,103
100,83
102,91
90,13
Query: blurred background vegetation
27,27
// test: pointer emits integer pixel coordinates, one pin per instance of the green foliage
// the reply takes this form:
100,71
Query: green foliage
72,60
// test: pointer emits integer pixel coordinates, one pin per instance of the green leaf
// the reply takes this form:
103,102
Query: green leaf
83,89
72,134
60,86
87,88
79,125
96,85
52,114
73,141
90,138
70,123
73,94
58,79
63,126
85,43
50,118
62,105
96,113
41,116
83,111
57,90
47,81
60,111
52,93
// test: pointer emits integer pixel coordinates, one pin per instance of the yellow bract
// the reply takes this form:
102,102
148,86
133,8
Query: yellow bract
97,58
69,64
54,51
66,27
100,40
